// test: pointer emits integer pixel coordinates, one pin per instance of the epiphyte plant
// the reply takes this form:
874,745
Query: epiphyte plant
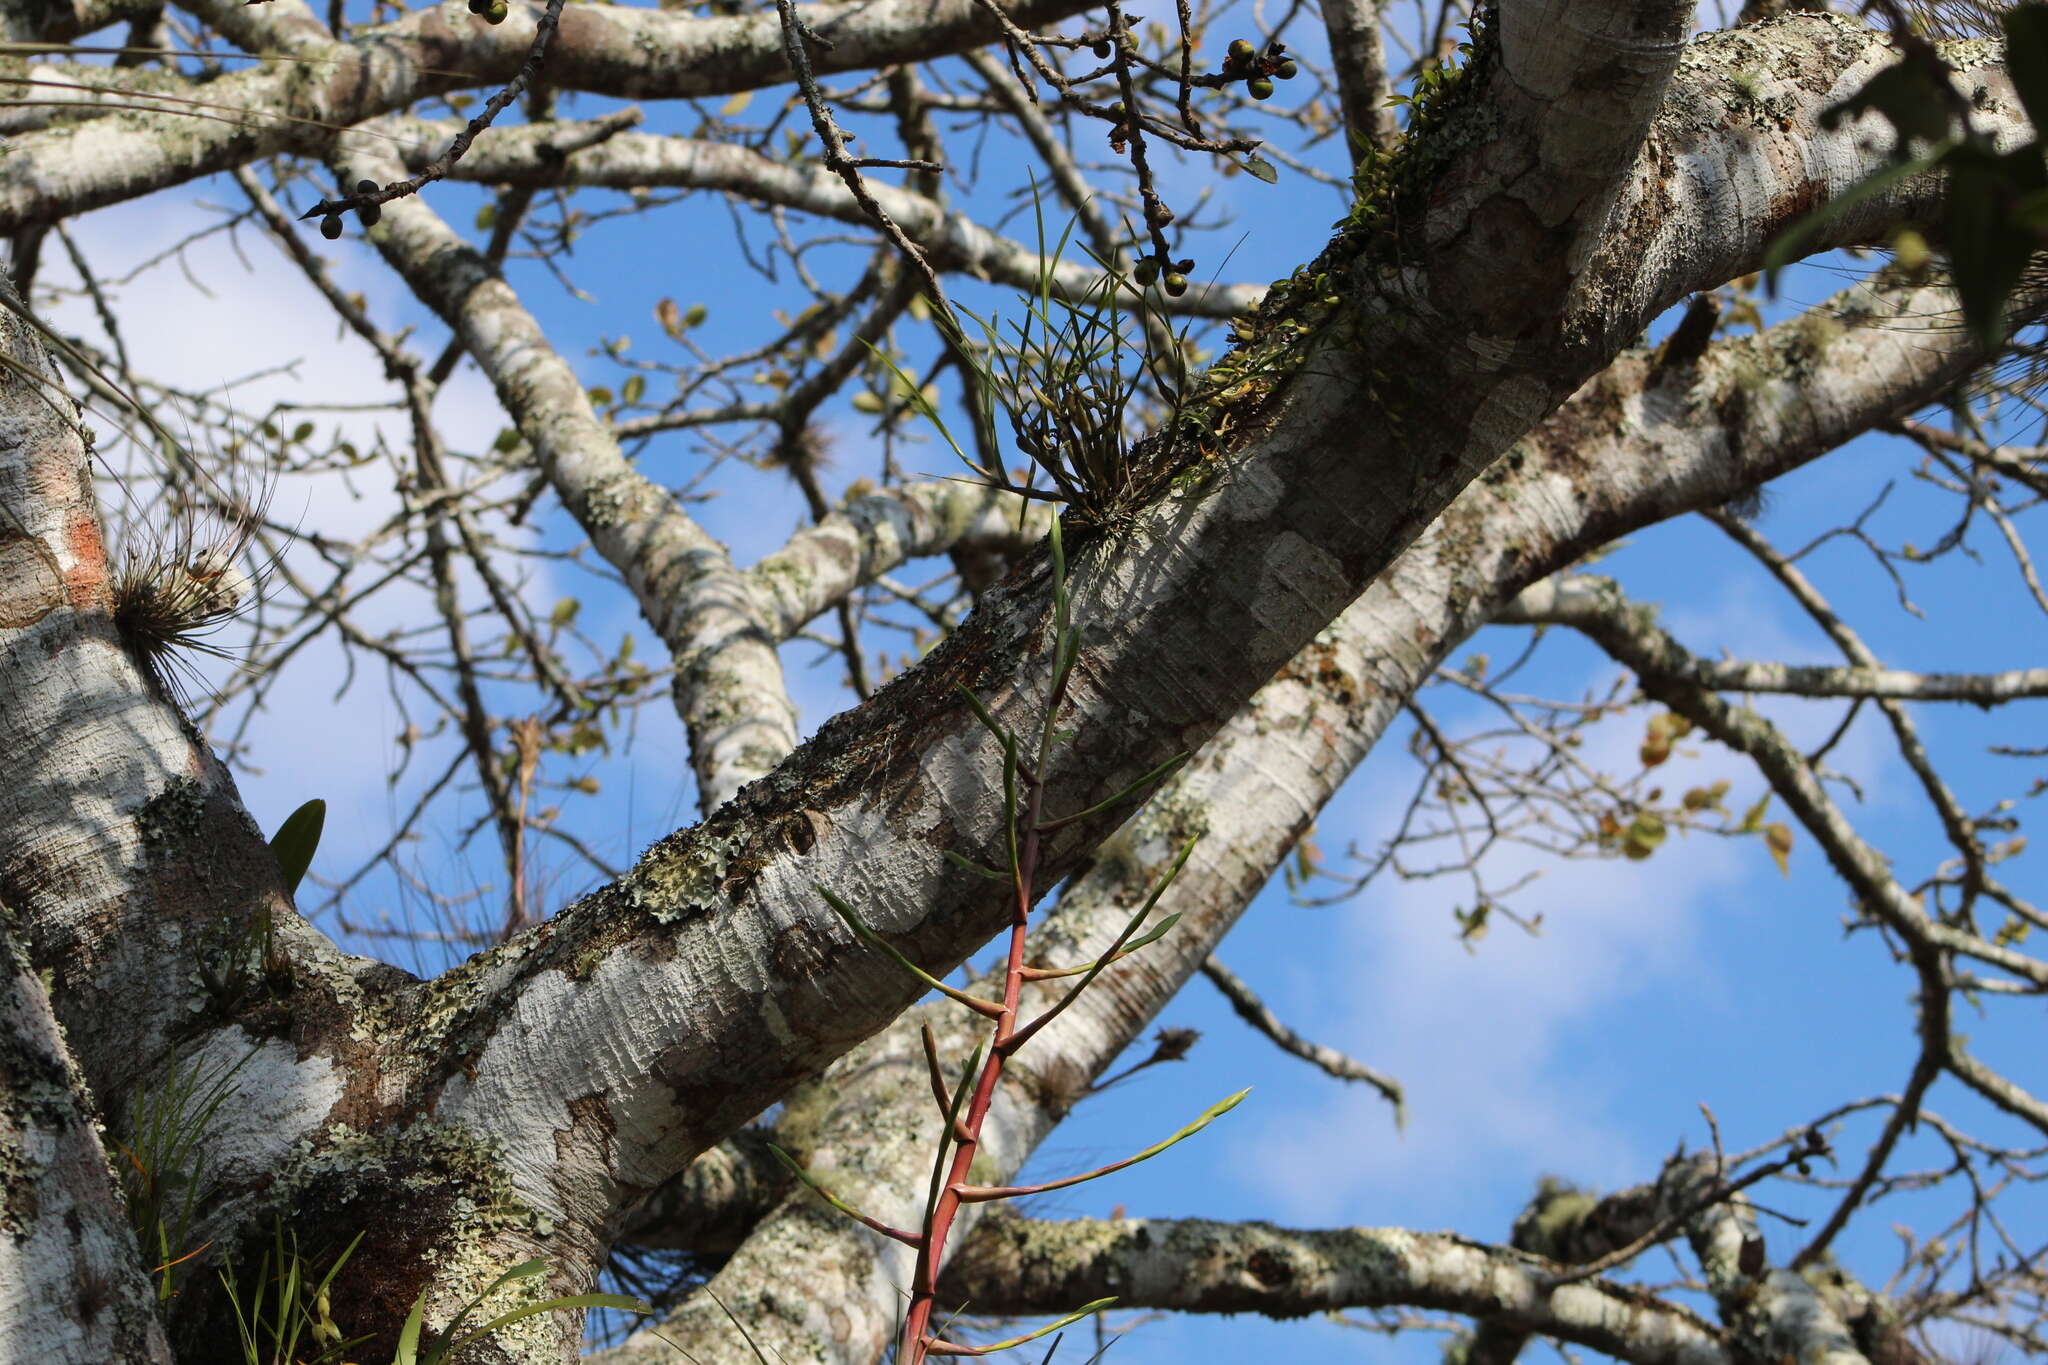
180,580
963,1105
1065,374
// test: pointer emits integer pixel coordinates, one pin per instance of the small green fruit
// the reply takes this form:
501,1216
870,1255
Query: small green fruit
1175,284
1117,108
497,12
1259,88
1146,271
1241,51
1288,71
330,226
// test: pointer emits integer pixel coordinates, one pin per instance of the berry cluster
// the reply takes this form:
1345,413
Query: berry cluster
1174,279
1258,70
330,225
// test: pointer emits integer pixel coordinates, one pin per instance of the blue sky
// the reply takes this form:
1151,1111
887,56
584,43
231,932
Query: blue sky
1701,976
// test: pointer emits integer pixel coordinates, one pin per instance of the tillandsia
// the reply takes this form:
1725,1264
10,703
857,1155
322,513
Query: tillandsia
181,579
1067,375
963,1105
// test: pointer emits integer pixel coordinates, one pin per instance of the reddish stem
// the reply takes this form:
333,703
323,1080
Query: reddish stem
917,1336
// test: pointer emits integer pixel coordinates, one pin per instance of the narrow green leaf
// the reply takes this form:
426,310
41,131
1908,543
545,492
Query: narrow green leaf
1158,774
1753,818
449,1342
1152,935
973,1002
1115,949
621,1302
987,718
1068,1321
977,1194
835,1201
969,865
297,839
409,1335
945,1144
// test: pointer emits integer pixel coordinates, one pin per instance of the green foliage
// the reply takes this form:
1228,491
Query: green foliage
297,840
162,1162
1065,373
283,1305
1387,183
416,1346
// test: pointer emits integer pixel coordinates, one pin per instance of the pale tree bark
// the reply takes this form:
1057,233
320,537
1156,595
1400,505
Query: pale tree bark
1019,1265
518,1105
72,1281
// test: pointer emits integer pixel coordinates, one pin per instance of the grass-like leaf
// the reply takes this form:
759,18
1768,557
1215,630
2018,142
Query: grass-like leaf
980,1194
846,912
1158,774
949,1348
909,1239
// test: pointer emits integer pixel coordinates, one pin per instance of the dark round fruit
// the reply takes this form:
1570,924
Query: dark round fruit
366,187
1176,284
479,6
1101,49
370,214
1259,88
1146,271
330,226
1287,71
1241,50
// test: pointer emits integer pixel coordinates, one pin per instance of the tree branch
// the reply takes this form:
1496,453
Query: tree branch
1016,1266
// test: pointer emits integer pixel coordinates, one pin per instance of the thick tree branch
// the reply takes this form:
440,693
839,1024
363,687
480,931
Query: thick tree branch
1772,1313
1358,59
872,535
607,50
1193,1265
953,241
72,1288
